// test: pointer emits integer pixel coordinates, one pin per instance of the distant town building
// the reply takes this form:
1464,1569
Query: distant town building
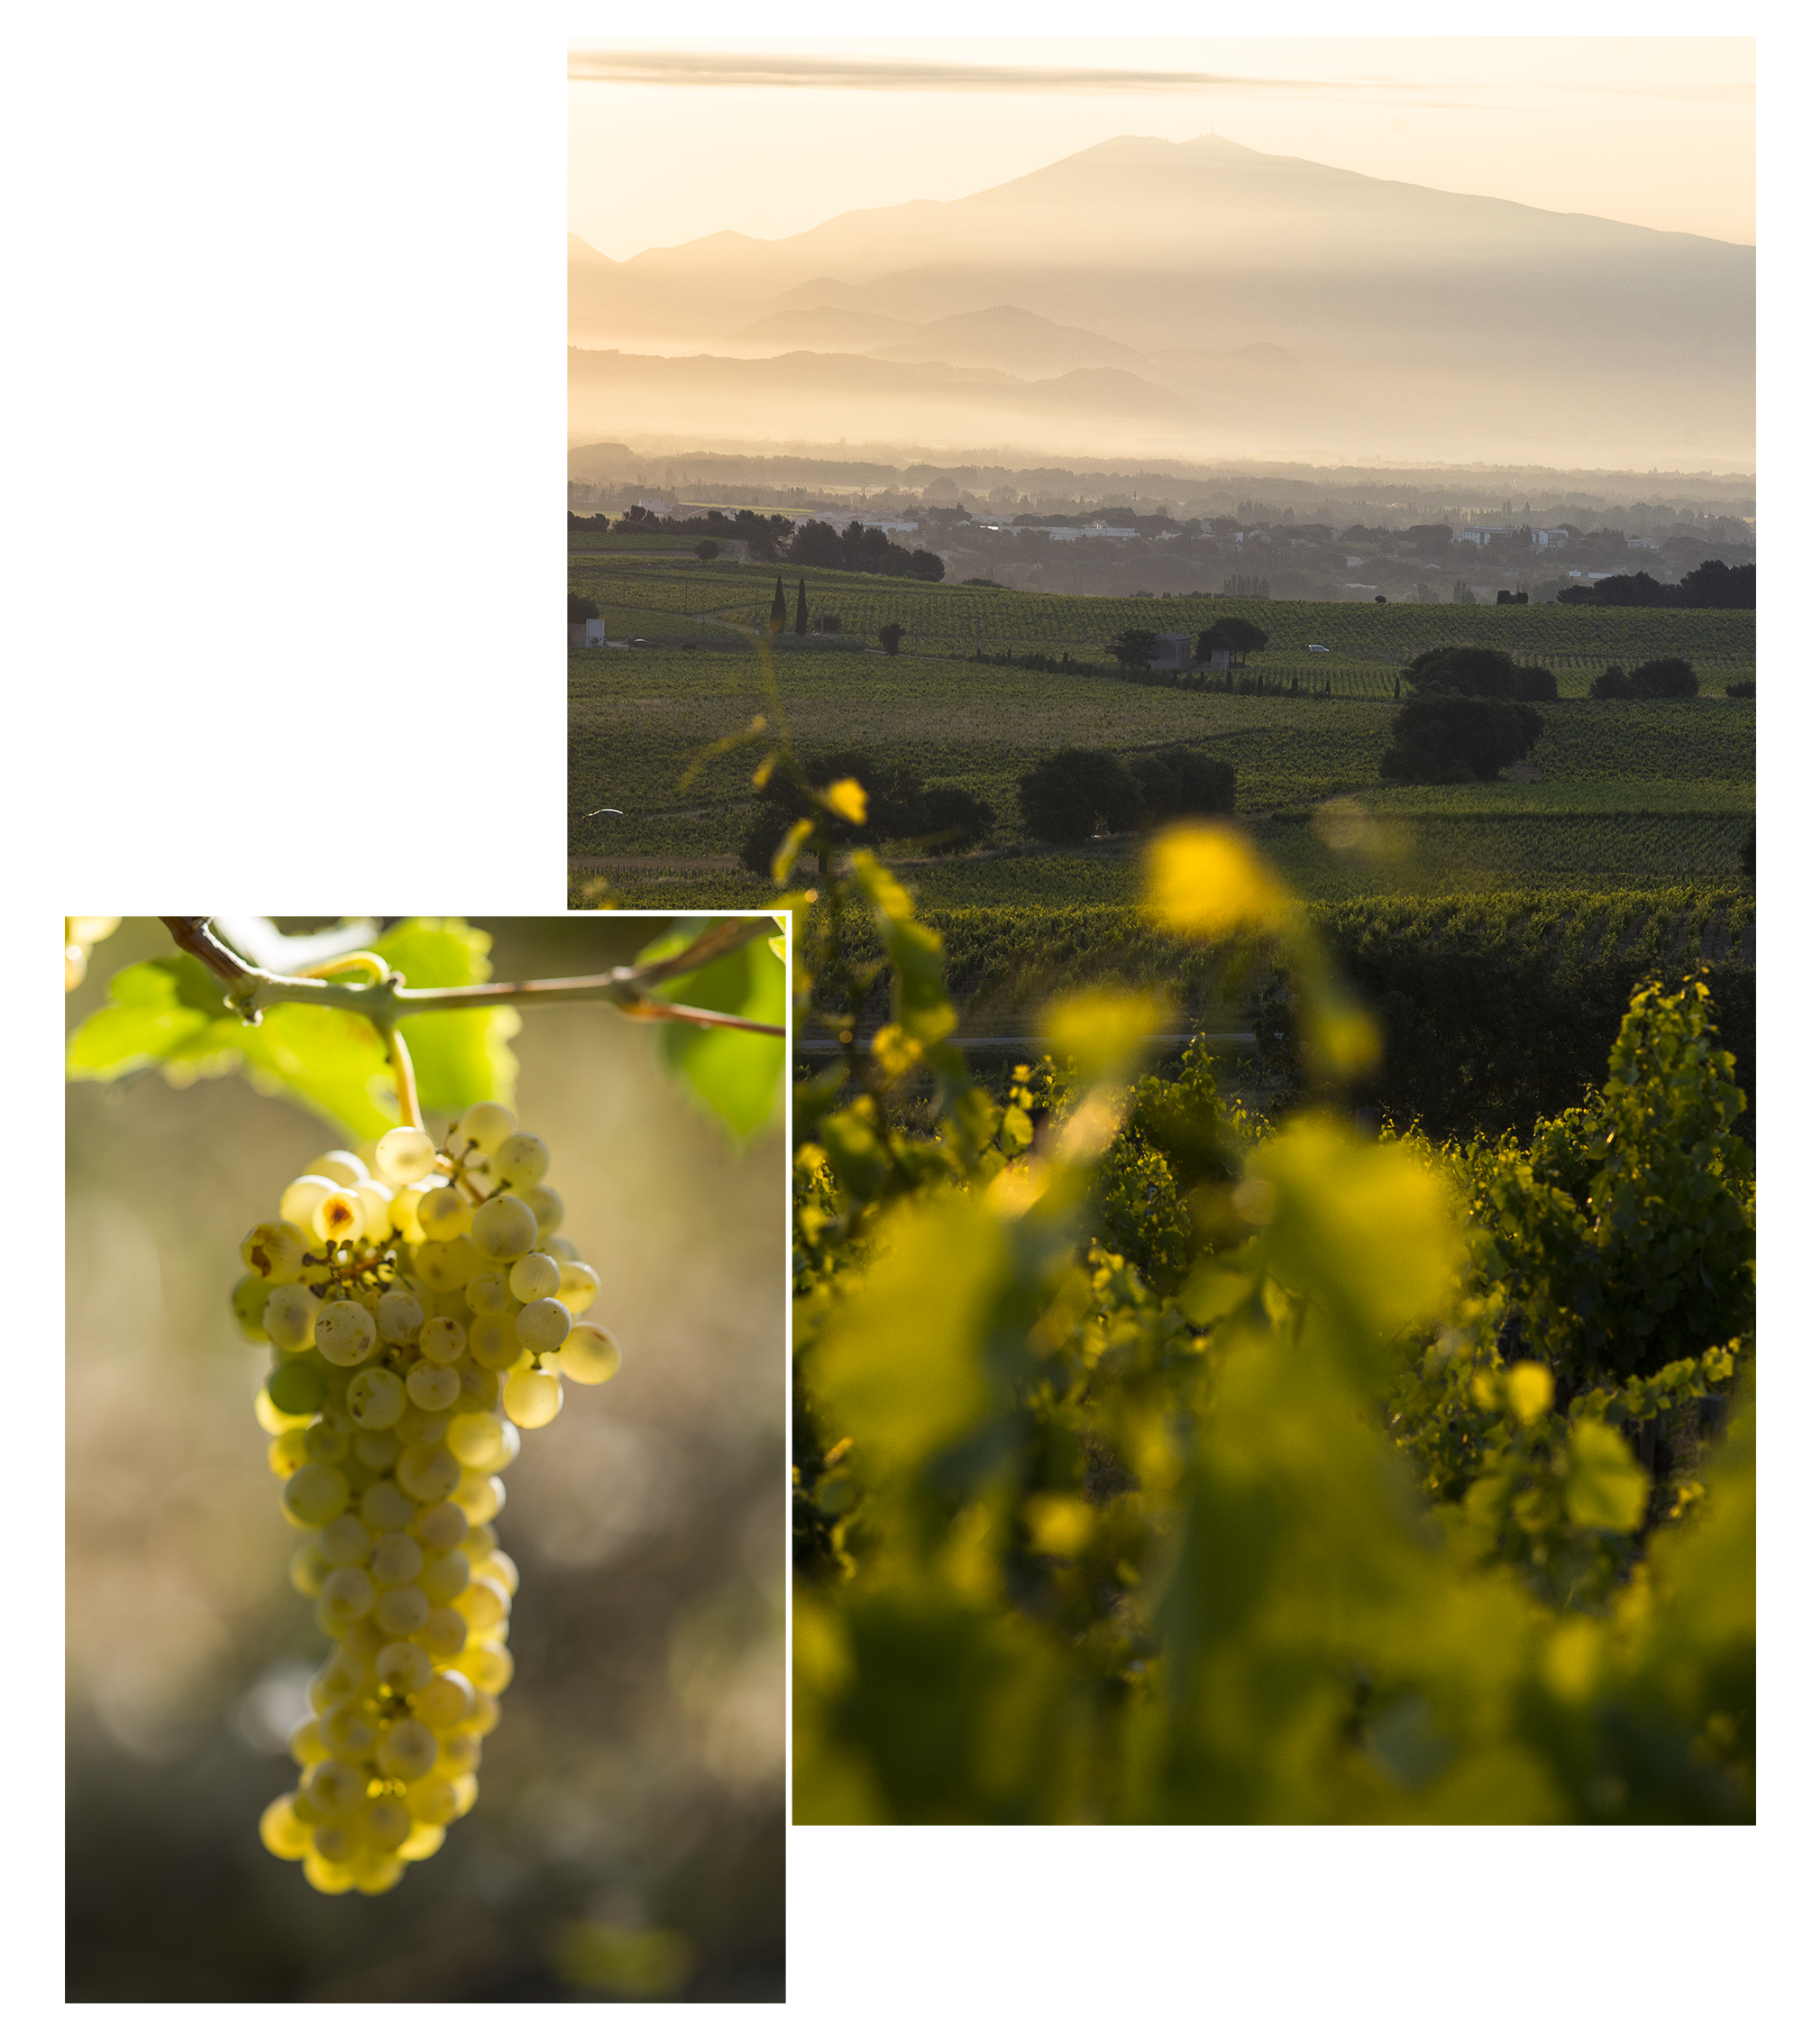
656,506
1171,649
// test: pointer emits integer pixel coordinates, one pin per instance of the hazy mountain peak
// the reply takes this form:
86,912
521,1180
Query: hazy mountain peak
1371,312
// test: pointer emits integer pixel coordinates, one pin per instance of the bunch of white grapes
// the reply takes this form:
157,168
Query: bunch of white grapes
423,1308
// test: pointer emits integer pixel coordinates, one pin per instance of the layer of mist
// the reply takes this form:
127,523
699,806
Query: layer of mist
1193,300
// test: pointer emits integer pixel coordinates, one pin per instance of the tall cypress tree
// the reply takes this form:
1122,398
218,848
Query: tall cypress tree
779,608
801,607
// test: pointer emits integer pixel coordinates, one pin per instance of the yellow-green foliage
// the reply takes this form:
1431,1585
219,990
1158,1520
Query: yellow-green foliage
1100,1519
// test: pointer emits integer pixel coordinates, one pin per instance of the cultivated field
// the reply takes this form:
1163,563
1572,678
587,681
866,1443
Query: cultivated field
1631,794
938,618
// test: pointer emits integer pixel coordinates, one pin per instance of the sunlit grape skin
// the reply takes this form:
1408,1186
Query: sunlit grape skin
405,1330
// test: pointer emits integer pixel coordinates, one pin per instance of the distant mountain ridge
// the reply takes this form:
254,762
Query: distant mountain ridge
1285,303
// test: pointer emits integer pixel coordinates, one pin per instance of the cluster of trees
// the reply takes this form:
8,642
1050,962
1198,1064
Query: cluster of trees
763,535
805,622
1653,679
1083,792
1235,637
1444,738
898,805
1067,799
1711,585
1478,671
862,551
1466,716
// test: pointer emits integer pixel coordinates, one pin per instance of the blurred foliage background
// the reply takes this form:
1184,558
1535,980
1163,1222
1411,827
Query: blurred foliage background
629,1839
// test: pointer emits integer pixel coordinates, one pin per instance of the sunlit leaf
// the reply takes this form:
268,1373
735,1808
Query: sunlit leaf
172,1012
739,1075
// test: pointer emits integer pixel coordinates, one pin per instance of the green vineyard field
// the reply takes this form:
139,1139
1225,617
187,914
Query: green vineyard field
938,618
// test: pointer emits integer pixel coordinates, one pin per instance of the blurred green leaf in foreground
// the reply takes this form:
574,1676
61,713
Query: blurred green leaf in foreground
1156,1464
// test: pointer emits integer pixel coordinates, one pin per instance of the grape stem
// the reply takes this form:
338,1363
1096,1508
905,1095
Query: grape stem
385,1002
407,1093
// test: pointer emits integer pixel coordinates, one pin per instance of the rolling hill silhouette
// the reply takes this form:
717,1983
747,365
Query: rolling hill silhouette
1284,303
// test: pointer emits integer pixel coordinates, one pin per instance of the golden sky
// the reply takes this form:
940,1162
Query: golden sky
672,139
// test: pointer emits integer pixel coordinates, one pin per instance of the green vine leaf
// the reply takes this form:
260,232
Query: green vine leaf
170,1012
737,1075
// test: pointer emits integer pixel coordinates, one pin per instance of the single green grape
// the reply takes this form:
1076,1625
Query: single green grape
427,1471
589,1355
339,1787
347,1733
405,1154
481,1389
307,1568
275,1251
476,1439
533,1397
418,1426
444,1632
488,1665
376,1398
344,1333
288,1315
407,1749
328,1439
386,1507
578,1286
535,1277
386,1824
406,1668
347,1594
446,1577
442,1213
487,1125
325,1874
316,1493
403,1611
431,1803
375,1872
442,1526
445,1700
377,1451
343,1680
494,1341
398,1315
441,1341
520,1159
345,1542
481,1496
504,1227
339,1215
296,1386
287,1451
282,1832
499,1565
543,1326
485,1604
488,1292
395,1558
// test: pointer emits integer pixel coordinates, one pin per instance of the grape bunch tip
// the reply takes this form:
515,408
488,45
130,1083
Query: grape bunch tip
422,1309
